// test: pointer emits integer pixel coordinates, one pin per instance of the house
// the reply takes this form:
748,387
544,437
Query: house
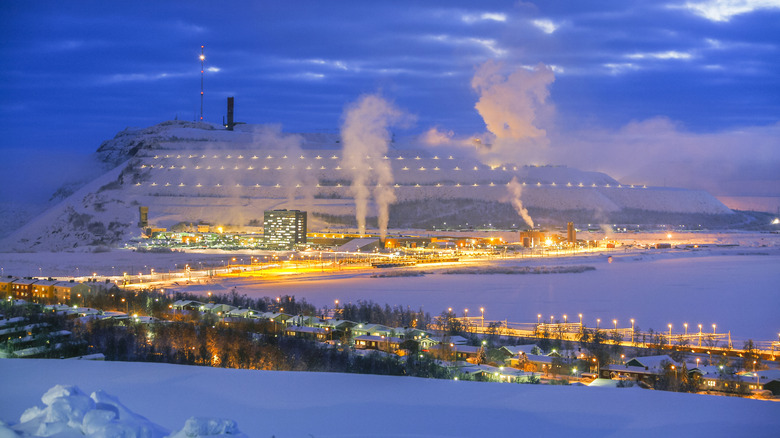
372,330
313,333
770,380
515,355
341,325
381,343
244,313
455,340
628,372
657,363
67,291
719,379
22,288
280,318
188,305
217,309
311,321
43,289
5,285
536,363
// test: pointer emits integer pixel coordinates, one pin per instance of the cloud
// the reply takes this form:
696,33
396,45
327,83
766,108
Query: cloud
547,26
724,10
488,44
659,151
141,77
513,107
671,54
485,16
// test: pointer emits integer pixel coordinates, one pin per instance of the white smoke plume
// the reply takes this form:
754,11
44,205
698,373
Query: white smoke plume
516,191
365,139
515,109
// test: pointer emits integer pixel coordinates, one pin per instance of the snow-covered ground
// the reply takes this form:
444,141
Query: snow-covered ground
290,404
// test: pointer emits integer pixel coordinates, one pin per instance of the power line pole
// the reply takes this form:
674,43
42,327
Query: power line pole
202,61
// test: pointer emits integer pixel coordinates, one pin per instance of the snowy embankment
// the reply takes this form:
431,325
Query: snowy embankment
290,404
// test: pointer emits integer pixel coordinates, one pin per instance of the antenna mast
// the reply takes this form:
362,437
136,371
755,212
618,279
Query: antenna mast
202,60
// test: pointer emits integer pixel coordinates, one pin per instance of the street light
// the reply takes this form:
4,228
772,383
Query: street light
598,323
580,315
539,318
670,335
481,309
713,329
565,318
614,321
685,324
632,330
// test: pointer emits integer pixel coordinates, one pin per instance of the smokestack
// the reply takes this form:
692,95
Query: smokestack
571,233
229,125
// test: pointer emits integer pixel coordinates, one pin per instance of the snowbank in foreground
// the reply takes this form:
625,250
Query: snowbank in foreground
70,412
296,404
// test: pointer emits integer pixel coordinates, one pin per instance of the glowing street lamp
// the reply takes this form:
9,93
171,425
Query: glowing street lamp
539,318
481,309
670,337
685,324
614,321
565,318
598,323
580,315
713,329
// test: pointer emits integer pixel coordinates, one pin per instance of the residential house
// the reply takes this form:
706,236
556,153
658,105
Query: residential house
382,343
313,333
5,285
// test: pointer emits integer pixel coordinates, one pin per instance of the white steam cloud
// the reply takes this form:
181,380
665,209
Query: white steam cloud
365,138
515,109
515,192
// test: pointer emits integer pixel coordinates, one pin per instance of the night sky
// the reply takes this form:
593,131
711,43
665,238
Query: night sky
676,93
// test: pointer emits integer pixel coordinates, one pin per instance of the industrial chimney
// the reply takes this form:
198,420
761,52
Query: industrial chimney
229,125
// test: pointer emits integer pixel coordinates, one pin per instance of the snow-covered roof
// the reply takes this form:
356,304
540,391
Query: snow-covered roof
652,361
300,329
455,340
516,349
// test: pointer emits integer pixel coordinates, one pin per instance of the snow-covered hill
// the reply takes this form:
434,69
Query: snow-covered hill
186,171
297,404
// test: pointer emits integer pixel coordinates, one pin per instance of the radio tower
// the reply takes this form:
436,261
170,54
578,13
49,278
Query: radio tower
202,60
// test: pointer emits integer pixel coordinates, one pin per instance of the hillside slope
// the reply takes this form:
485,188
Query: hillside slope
186,171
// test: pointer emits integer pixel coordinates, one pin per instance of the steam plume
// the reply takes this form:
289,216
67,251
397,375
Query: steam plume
515,191
365,139
514,107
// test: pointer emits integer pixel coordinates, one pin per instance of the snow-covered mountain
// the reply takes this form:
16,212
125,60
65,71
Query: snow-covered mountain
185,171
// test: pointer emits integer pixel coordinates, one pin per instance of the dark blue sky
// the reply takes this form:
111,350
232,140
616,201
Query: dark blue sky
77,72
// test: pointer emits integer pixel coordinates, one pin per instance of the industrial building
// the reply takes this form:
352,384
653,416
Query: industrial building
284,229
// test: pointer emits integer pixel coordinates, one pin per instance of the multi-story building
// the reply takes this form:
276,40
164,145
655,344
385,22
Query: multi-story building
284,229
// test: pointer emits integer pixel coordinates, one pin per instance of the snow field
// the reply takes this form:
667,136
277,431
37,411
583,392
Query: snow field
290,404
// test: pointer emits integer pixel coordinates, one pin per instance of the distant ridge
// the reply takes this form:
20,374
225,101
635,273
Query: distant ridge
186,171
